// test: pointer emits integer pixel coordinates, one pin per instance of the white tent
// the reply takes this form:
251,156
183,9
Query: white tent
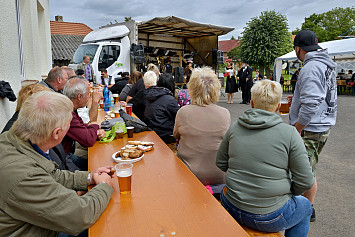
341,51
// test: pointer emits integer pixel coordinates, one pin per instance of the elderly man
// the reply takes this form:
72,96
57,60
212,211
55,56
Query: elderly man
56,79
36,198
89,71
70,71
78,91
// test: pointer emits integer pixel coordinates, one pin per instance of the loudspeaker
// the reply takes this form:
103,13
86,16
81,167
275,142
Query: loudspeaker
217,56
137,53
179,74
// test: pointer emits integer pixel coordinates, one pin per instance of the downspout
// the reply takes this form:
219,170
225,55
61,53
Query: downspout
22,65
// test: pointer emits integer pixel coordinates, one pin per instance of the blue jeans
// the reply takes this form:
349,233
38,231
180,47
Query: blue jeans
293,217
81,163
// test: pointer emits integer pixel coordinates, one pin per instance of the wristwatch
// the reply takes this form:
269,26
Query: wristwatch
89,178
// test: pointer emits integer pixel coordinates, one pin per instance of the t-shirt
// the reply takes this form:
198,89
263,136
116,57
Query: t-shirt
139,86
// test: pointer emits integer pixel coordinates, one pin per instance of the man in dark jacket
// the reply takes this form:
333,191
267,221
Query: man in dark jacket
245,81
120,84
161,108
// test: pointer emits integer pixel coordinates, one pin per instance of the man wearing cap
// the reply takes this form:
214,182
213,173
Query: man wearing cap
314,105
245,81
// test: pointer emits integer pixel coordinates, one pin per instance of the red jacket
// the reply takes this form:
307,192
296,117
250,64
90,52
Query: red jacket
85,134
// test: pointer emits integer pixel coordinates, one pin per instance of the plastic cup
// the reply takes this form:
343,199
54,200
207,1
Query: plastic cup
284,108
124,176
129,109
119,134
130,131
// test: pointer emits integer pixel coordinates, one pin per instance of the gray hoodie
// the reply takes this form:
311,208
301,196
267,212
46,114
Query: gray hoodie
259,153
314,102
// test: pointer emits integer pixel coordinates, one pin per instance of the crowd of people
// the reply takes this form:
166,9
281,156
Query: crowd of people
258,166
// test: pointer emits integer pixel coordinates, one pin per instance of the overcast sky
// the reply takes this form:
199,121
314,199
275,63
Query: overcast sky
232,13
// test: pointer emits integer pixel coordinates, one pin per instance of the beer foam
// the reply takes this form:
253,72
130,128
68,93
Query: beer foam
124,173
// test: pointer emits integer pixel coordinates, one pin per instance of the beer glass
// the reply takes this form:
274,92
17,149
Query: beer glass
124,176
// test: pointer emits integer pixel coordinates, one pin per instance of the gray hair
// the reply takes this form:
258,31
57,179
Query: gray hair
74,87
40,114
54,73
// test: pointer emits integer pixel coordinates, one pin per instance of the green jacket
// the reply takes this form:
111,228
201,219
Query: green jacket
37,199
259,154
82,66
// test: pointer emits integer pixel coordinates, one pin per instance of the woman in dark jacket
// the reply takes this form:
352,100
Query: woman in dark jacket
161,107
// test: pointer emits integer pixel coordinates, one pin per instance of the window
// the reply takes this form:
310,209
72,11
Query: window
89,50
108,55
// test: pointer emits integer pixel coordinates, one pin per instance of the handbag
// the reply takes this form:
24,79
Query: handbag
139,125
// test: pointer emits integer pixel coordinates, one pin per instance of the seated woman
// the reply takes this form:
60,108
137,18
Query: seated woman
132,80
201,126
56,153
266,167
161,106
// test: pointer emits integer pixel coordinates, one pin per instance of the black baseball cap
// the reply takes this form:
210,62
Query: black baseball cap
306,40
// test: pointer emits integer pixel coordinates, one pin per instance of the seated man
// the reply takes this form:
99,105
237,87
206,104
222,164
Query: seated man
105,79
36,198
56,79
120,84
78,91
267,167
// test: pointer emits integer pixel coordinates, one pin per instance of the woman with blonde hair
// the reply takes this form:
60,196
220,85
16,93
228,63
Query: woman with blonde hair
201,126
267,167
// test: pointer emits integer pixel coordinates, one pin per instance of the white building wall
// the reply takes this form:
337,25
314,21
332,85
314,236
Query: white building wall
36,43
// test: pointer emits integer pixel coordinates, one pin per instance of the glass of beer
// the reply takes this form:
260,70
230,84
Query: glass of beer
124,176
116,98
285,107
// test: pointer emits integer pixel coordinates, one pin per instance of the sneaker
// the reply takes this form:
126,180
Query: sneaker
313,216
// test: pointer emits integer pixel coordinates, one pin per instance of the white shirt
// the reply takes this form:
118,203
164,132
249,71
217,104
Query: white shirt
107,81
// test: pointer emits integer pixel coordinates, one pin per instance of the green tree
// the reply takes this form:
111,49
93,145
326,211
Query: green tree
265,38
127,18
235,53
232,38
329,25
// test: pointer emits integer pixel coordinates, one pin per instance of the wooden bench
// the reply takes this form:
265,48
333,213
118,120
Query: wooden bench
255,233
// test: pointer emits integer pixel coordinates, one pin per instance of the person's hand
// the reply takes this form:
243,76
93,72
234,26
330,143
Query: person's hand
96,96
103,177
101,134
299,127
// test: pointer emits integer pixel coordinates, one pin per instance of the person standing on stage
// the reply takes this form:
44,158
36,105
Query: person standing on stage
245,81
231,85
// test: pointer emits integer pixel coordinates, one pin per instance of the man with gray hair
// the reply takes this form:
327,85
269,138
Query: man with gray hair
36,198
56,79
78,91
70,71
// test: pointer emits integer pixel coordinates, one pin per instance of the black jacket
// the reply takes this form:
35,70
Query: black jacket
56,154
248,73
160,111
119,85
6,91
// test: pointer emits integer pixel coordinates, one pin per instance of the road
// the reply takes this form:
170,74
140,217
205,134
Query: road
335,200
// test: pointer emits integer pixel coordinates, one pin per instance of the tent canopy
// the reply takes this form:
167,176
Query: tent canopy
339,50
180,27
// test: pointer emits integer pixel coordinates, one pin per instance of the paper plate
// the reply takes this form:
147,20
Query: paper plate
119,159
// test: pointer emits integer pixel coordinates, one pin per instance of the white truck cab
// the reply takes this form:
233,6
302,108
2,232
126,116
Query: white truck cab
107,48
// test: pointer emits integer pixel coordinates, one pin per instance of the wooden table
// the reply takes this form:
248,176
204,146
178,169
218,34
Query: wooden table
166,199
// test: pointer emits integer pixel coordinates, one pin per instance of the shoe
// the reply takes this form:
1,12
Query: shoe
247,103
242,102
313,216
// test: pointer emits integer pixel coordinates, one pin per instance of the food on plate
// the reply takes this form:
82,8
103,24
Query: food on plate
143,143
145,148
112,171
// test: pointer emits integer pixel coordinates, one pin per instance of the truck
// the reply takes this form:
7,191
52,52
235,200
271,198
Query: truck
130,46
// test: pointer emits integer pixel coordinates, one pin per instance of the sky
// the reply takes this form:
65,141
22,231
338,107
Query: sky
217,12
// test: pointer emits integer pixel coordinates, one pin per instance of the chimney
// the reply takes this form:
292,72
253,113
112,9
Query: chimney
58,18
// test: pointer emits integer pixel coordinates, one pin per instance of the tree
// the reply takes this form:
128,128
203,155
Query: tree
127,18
329,25
235,53
232,38
265,38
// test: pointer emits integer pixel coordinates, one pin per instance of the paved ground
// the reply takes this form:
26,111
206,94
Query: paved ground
335,200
